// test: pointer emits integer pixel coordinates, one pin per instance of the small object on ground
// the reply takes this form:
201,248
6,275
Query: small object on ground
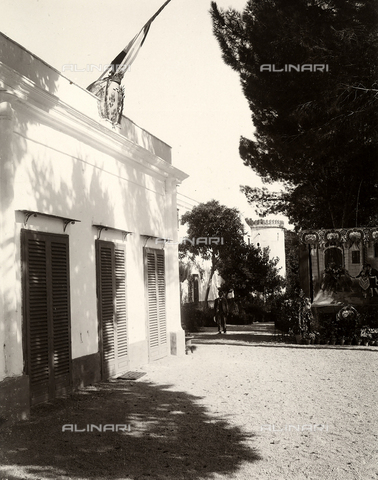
131,376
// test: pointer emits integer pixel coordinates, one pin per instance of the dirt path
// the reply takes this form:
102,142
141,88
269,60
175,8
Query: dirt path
240,407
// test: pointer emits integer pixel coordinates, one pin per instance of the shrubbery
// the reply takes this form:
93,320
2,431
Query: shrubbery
196,315
241,312
294,316
245,312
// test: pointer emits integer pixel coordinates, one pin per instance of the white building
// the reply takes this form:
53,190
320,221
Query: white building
270,233
86,291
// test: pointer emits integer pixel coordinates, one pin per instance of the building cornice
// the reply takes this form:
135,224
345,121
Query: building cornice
62,116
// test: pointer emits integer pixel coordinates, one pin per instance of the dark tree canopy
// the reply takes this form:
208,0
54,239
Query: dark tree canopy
315,131
248,270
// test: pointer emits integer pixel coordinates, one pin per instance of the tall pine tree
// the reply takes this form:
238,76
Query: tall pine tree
315,131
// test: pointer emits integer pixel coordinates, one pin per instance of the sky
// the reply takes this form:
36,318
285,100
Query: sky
178,88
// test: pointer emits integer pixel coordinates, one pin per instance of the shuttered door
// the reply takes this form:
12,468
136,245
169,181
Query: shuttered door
111,291
122,358
156,303
105,266
60,316
47,322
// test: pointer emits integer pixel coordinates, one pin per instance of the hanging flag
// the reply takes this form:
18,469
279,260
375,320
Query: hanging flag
124,59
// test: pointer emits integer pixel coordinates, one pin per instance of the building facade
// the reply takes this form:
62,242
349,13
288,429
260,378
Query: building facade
86,291
340,266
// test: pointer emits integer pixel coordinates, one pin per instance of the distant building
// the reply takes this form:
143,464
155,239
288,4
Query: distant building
269,233
87,292
340,266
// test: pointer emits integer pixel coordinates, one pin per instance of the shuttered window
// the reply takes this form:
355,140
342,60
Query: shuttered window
111,297
156,303
46,313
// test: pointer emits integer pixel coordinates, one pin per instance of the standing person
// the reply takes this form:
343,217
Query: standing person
221,312
364,280
373,278
368,280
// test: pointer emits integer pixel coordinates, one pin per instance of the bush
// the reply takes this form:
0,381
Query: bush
256,312
293,315
245,311
369,315
196,315
334,324
285,315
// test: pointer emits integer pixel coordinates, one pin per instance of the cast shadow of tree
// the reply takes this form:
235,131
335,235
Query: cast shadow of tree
245,339
239,339
172,436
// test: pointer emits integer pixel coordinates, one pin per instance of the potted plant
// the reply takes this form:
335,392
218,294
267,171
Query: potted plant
347,320
366,335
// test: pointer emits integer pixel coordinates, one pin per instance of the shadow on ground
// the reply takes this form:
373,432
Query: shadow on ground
259,335
244,334
171,436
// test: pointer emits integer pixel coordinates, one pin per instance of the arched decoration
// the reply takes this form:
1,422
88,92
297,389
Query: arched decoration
339,237
374,236
333,237
332,263
310,238
354,238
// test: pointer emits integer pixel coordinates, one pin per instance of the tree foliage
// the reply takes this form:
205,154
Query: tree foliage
316,132
248,270
214,221
213,230
243,268
292,264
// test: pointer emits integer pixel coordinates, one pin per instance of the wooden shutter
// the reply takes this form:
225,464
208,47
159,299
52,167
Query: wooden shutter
46,312
60,315
36,315
105,268
160,266
120,317
156,303
111,281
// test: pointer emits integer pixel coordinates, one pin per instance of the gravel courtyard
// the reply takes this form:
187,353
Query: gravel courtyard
241,406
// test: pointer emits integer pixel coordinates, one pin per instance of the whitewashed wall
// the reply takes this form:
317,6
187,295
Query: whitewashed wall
57,157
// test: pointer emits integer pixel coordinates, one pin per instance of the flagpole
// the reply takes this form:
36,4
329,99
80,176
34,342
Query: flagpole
120,61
